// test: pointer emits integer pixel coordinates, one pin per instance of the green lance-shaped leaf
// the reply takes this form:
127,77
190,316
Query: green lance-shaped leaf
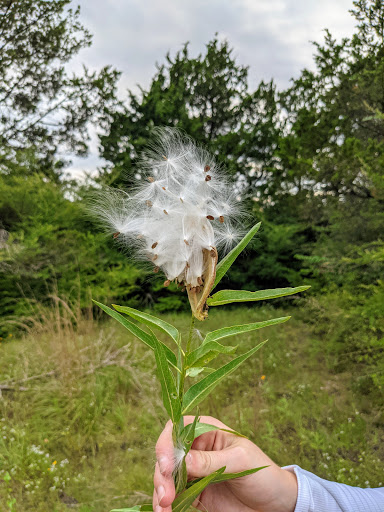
206,352
170,396
181,477
224,332
187,435
225,264
229,476
228,296
147,338
150,320
196,370
186,498
179,367
201,389
202,428
186,439
209,349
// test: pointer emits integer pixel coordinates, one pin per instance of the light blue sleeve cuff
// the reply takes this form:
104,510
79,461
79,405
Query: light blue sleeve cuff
304,501
318,495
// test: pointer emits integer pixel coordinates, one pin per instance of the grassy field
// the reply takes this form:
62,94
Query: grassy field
80,411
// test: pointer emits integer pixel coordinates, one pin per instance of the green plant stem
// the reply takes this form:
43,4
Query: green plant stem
192,325
180,476
184,359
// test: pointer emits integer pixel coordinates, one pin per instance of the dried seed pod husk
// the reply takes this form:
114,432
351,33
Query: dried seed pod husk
198,298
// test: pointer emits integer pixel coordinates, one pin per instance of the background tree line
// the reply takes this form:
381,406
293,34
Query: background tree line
308,160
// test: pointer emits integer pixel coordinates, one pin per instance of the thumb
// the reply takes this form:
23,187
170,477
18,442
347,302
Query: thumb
202,463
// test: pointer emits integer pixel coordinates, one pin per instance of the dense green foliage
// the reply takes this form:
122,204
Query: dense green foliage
51,245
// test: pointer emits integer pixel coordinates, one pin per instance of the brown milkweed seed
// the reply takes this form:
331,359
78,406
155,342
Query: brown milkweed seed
163,188
149,203
186,242
155,257
208,177
150,179
209,217
207,168
154,245
156,269
165,211
167,282
221,219
199,280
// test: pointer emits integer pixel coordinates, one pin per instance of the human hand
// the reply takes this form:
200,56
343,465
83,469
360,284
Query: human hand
269,490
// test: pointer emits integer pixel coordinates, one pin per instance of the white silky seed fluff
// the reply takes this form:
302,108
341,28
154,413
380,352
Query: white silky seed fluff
182,205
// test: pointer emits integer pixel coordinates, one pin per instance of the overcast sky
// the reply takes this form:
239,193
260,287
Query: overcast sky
272,37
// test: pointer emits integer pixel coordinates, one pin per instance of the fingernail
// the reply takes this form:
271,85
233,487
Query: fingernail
158,509
163,464
160,493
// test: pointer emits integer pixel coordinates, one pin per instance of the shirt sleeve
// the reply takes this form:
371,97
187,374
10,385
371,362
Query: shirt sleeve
318,495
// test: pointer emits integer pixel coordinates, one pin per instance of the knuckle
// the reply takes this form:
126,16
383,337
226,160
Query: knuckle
206,462
241,453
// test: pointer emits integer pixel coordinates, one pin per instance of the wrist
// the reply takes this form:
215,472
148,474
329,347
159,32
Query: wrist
289,491
283,494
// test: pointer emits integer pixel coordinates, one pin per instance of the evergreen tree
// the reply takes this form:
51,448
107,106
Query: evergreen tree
208,98
331,130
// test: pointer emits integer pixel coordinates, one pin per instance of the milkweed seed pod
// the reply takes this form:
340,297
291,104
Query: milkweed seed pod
181,212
